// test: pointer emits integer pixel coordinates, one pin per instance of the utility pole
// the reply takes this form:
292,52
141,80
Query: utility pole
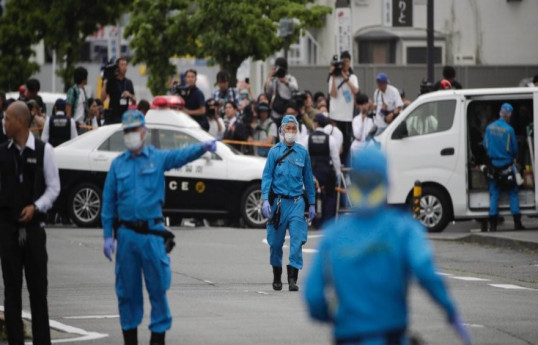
429,39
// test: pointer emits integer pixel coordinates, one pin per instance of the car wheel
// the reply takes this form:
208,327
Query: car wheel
251,207
84,205
435,211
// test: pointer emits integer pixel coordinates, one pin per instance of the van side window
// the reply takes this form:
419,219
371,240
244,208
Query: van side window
116,144
431,117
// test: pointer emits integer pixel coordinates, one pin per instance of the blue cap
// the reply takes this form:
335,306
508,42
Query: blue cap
290,118
382,78
506,109
60,104
370,162
132,119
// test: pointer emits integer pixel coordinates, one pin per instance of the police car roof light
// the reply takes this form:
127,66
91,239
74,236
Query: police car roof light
169,101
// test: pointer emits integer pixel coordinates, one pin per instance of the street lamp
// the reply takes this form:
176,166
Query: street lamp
286,28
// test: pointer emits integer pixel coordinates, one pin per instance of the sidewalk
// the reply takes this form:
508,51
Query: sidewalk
504,236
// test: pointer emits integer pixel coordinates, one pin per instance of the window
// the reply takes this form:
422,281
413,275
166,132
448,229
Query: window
115,142
431,118
169,139
378,51
419,55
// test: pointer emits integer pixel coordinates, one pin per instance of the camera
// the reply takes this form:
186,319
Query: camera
280,72
299,97
110,70
337,64
425,87
181,90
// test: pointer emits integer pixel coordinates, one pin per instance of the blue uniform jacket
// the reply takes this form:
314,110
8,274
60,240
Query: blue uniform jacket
360,276
290,175
500,143
134,186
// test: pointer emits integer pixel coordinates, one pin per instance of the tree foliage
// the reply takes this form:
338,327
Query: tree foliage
227,31
62,24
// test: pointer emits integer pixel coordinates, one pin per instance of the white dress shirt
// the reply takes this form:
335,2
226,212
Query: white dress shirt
50,172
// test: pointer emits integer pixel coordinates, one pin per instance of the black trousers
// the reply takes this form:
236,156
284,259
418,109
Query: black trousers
30,258
347,131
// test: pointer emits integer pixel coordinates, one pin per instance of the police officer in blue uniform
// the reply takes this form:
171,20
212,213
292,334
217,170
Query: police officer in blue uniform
286,170
360,276
133,196
501,146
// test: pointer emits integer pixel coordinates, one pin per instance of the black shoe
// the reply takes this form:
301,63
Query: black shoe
157,338
293,274
130,337
277,278
492,223
517,222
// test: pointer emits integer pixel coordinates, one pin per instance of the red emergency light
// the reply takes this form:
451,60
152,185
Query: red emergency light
169,101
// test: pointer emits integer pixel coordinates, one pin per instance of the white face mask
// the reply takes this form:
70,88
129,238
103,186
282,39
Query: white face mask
132,140
290,137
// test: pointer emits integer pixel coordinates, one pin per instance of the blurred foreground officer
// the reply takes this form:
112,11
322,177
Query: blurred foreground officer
501,146
286,170
133,195
29,184
361,274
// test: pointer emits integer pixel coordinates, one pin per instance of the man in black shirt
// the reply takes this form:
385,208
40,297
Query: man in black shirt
30,93
449,73
194,99
121,92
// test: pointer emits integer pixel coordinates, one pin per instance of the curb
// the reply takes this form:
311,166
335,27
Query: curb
503,242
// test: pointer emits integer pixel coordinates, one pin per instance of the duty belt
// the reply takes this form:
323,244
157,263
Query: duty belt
287,196
142,226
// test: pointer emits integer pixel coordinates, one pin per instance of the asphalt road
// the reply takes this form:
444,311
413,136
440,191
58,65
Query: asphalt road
221,291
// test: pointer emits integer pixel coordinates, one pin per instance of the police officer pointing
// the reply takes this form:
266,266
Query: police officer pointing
133,196
29,184
59,128
286,170
360,277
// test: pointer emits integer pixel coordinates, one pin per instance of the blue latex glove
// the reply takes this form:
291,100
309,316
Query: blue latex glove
209,145
311,212
266,209
108,247
459,327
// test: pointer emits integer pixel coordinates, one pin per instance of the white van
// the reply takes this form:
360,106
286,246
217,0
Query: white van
437,140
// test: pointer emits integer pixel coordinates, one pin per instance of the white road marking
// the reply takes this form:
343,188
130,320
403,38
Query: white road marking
471,279
473,325
309,250
262,292
88,317
83,335
305,250
444,274
510,286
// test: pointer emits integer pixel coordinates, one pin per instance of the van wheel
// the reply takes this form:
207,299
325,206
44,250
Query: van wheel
435,209
84,205
251,207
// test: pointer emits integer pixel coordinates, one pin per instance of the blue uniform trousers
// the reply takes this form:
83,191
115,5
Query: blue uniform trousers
495,193
140,253
292,218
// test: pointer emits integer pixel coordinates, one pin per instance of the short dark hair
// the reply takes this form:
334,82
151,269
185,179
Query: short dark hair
33,85
449,72
282,62
345,55
319,94
223,76
232,103
81,74
535,79
143,105
361,98
191,70
120,59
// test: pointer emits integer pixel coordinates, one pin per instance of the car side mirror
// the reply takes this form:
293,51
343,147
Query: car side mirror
401,131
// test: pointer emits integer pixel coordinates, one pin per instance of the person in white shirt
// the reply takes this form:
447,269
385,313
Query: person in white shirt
77,102
265,130
343,87
362,124
336,133
388,102
216,124
326,166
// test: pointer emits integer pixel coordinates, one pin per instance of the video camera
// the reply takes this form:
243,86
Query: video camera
280,72
425,87
337,64
182,90
110,70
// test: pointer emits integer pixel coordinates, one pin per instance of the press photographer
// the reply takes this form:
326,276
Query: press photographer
279,86
343,86
118,88
194,99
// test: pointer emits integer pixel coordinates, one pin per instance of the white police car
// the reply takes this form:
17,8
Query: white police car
224,184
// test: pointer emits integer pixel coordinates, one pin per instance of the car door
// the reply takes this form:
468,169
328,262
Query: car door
425,146
198,186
